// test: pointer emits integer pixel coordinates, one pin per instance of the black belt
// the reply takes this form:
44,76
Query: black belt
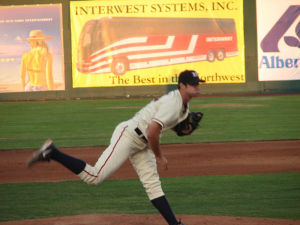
141,135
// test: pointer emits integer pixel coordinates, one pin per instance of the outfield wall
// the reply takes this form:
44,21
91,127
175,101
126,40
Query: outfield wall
252,85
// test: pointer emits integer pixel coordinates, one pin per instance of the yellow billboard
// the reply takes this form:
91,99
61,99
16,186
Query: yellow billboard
138,43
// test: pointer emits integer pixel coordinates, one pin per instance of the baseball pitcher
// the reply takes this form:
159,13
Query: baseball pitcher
139,140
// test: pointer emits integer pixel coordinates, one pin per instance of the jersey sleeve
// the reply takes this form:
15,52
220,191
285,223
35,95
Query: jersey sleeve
167,114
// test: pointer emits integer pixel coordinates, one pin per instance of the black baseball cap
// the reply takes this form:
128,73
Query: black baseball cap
189,77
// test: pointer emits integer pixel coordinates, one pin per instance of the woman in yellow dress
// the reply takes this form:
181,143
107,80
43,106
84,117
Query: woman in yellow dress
36,65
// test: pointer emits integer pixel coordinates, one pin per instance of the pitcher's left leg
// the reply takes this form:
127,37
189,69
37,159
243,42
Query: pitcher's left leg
144,163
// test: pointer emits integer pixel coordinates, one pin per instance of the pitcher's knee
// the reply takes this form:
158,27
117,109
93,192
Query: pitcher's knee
90,175
154,190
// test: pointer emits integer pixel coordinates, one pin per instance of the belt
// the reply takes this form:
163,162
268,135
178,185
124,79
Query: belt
141,135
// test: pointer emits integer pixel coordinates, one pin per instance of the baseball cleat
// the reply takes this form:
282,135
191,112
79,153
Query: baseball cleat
180,223
43,154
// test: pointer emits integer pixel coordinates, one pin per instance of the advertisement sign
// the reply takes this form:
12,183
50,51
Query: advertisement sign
31,48
138,43
278,38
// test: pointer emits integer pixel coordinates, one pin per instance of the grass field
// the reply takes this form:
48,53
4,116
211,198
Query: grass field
25,125
269,195
91,122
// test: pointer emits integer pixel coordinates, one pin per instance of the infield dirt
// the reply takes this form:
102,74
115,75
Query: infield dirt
184,160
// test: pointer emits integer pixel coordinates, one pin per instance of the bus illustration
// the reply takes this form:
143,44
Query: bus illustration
120,44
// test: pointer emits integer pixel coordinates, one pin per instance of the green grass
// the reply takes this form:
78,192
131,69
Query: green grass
91,122
245,119
69,123
268,195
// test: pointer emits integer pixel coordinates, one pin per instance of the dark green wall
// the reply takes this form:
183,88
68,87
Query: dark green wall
252,86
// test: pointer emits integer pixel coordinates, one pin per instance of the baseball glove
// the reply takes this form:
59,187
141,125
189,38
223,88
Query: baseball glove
187,126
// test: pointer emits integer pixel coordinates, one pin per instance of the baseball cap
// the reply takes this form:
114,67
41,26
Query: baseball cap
189,77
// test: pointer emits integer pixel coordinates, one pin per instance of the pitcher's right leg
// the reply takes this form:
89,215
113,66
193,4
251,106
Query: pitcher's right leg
49,152
111,159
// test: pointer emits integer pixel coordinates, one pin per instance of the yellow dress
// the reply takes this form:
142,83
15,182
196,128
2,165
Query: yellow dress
36,69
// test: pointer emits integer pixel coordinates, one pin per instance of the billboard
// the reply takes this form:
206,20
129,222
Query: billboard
31,48
278,38
138,43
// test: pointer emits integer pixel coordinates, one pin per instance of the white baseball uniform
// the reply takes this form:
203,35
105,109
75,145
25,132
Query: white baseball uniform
129,141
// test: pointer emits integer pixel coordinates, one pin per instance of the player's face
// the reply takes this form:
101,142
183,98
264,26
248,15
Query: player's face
192,90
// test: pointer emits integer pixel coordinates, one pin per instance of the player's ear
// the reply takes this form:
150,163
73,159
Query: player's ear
181,85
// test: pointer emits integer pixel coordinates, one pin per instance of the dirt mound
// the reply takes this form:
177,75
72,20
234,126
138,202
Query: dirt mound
125,219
